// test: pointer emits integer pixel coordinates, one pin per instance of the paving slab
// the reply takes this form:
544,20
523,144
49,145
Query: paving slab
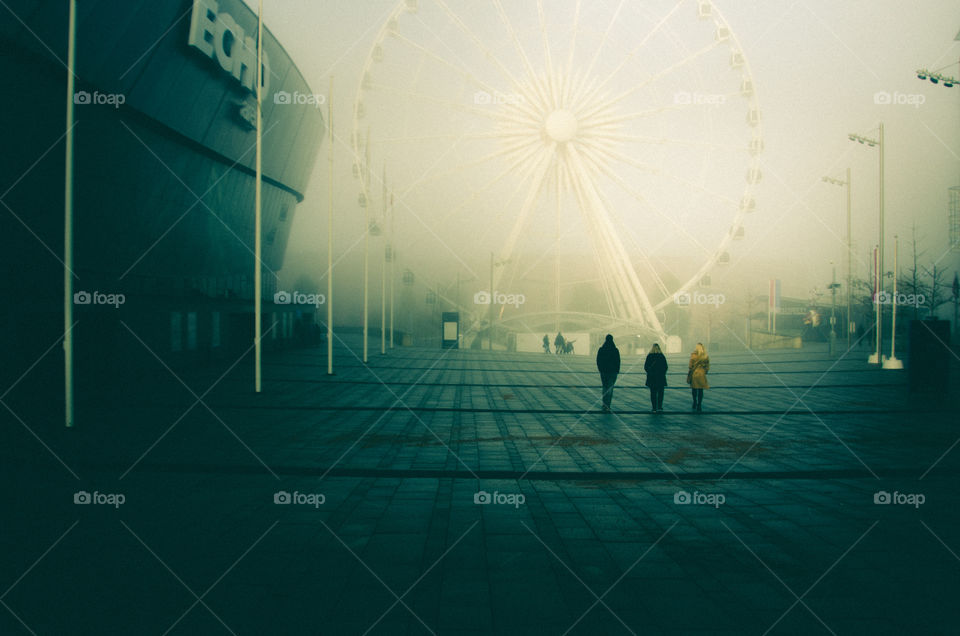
476,492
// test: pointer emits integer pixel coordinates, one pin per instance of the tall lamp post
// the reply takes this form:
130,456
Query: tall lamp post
493,264
846,184
833,311
892,362
875,357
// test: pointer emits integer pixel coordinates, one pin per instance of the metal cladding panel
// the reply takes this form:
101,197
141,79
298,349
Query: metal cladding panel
180,90
47,23
123,32
141,49
137,182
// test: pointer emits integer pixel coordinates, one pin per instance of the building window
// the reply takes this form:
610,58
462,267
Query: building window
191,331
176,331
215,329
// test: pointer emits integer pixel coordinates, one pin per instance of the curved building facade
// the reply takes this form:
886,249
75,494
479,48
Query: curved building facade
164,170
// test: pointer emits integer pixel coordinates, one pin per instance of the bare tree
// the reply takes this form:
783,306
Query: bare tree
912,281
940,289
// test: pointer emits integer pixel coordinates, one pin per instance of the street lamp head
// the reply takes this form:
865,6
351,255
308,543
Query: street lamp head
922,74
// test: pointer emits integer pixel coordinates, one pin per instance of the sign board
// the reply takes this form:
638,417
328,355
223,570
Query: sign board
219,37
450,330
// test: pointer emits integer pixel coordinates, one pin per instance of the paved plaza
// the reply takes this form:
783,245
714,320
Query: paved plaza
476,492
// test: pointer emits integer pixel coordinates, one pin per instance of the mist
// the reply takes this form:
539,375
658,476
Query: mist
422,107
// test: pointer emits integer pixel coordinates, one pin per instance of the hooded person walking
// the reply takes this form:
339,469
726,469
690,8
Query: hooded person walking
697,375
656,367
608,364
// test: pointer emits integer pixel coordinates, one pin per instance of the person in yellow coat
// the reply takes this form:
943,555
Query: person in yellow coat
697,375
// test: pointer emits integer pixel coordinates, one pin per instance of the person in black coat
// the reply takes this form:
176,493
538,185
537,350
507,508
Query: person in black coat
608,364
656,367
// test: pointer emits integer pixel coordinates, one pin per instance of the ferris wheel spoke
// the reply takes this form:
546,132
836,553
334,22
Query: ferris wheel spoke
634,295
455,210
659,141
607,152
489,135
567,80
643,41
643,200
494,114
603,41
611,290
471,77
641,85
536,184
521,53
638,295
573,37
610,121
622,158
638,247
479,44
625,230
554,91
503,152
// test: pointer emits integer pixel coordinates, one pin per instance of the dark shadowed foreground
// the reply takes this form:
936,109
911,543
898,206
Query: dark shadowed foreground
469,492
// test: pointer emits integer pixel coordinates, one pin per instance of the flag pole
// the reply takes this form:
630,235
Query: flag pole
366,248
383,269
393,258
330,230
257,273
68,224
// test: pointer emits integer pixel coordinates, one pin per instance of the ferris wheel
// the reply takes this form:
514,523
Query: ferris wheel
620,137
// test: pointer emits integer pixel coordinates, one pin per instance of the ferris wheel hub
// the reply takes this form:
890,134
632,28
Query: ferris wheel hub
561,125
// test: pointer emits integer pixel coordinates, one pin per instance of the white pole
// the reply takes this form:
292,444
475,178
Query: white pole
257,292
849,259
366,250
893,305
875,356
383,269
892,362
330,230
68,224
393,259
366,278
880,261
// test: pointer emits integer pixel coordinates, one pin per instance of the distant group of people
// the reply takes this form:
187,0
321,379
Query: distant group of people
561,344
655,365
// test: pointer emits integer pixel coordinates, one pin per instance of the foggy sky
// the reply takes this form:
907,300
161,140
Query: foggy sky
818,67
